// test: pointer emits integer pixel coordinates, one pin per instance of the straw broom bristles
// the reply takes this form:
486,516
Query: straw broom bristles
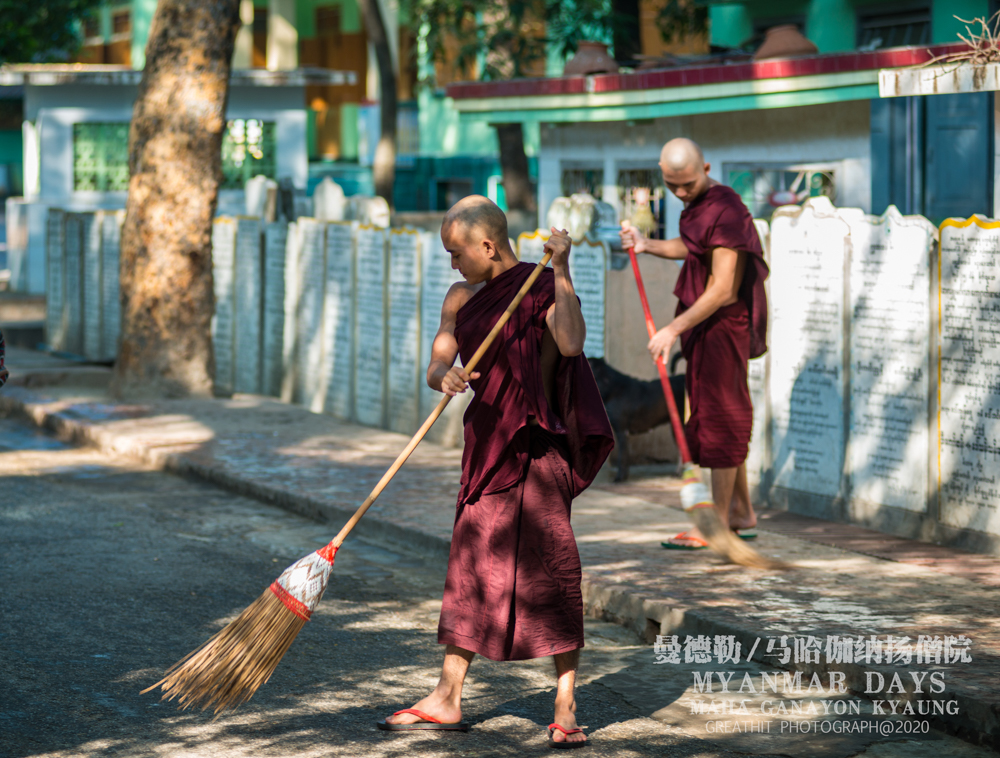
698,504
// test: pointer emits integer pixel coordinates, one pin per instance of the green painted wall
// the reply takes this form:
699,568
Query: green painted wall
443,133
730,25
945,27
832,25
305,16
11,146
142,18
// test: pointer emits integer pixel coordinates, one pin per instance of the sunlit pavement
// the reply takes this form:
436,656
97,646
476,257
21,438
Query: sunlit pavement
107,558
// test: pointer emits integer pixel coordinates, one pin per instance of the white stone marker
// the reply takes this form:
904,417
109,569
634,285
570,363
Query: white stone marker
969,350
73,335
530,244
93,311
273,331
890,335
757,371
289,366
249,305
311,272
338,319
588,268
808,249
404,330
370,331
437,276
223,321
55,279
111,318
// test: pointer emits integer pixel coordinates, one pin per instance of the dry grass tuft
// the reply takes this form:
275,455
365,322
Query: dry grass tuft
982,47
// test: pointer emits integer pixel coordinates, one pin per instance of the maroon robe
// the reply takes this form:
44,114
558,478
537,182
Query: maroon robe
513,585
717,349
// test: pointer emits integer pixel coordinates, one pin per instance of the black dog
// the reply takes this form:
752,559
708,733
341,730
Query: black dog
634,406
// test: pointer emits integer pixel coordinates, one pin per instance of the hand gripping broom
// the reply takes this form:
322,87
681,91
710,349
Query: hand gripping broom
230,667
695,497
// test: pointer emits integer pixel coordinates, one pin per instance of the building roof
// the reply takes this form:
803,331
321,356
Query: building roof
48,74
700,88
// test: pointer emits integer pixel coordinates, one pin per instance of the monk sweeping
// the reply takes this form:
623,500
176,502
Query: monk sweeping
536,433
721,319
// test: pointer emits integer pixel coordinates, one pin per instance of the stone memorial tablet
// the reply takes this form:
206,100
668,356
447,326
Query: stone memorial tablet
55,279
249,305
273,330
757,370
969,366
93,332
890,334
588,268
289,350
73,336
338,319
808,248
223,322
530,244
404,330
311,272
370,332
111,319
437,276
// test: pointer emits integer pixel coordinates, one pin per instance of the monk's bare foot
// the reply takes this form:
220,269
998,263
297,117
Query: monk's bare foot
566,718
436,705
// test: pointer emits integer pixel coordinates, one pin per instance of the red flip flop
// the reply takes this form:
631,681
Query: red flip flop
699,543
429,723
565,745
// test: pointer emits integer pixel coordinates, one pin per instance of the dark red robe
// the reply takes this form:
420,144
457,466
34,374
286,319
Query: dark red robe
513,585
717,349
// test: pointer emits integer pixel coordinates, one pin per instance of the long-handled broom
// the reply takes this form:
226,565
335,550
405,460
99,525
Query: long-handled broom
230,667
695,497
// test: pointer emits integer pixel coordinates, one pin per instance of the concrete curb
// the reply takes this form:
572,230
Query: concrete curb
977,721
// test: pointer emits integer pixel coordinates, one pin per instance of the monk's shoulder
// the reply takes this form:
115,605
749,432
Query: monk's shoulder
458,295
727,201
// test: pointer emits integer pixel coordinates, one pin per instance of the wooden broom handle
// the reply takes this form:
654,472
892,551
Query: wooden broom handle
412,444
661,364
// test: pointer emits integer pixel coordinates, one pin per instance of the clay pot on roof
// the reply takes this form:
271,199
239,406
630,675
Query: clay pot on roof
785,41
590,58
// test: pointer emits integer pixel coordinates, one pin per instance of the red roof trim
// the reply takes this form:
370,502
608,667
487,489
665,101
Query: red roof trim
834,63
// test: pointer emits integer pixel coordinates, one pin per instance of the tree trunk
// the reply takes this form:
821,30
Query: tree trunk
175,167
514,166
384,168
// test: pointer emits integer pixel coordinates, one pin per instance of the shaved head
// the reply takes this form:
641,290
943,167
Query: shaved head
476,215
681,153
684,169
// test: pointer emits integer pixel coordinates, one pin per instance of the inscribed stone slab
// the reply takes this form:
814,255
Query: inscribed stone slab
404,330
530,244
273,331
111,318
93,332
223,321
249,305
437,276
588,268
55,278
369,360
289,346
311,271
73,335
757,372
808,249
969,350
890,334
338,318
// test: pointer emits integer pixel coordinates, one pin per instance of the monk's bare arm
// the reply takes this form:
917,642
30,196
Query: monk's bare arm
442,374
674,249
722,288
564,318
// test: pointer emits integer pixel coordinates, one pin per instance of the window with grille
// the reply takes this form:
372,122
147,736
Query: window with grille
121,22
100,154
100,157
248,149
764,188
878,31
589,180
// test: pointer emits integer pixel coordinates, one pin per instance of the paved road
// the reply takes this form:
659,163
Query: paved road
110,572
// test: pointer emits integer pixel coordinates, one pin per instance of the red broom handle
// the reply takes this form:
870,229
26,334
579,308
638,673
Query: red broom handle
661,364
